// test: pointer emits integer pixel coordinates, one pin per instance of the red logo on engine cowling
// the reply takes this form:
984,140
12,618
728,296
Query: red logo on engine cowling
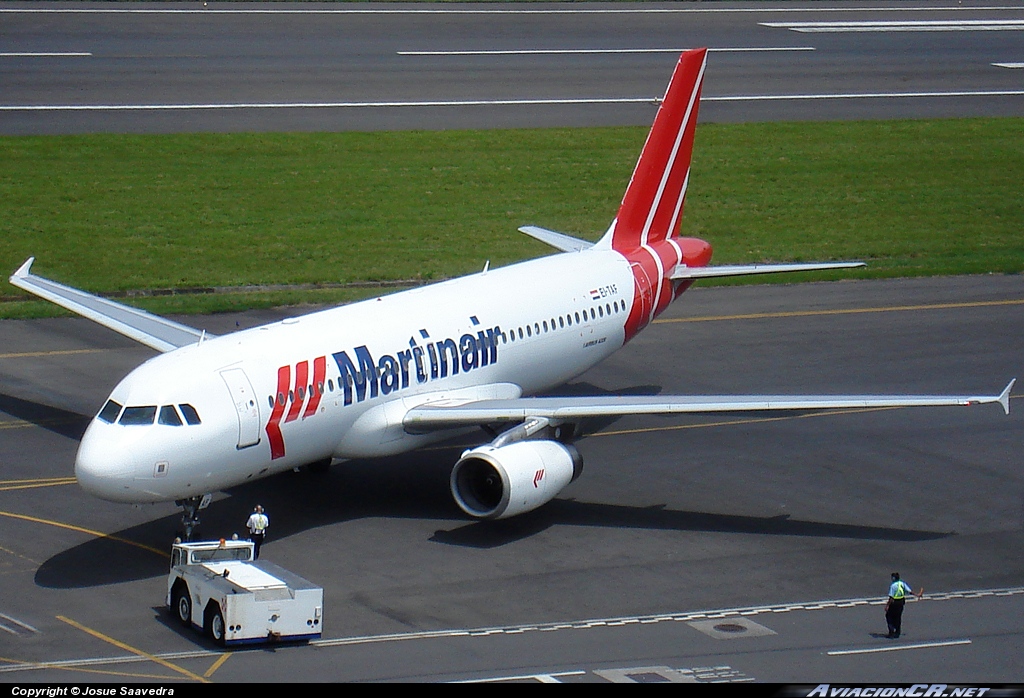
293,396
537,477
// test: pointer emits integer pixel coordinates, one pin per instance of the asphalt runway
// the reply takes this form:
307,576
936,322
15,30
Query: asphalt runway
168,67
735,548
674,521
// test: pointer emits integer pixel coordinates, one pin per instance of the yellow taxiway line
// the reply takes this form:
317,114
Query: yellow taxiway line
80,529
7,485
133,650
843,311
53,352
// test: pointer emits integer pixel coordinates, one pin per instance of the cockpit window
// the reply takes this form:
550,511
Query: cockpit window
109,412
190,414
137,416
169,416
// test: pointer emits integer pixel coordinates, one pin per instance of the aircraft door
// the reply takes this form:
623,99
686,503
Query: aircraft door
246,406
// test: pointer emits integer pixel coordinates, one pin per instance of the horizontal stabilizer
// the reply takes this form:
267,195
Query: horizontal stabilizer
152,330
433,417
682,272
560,241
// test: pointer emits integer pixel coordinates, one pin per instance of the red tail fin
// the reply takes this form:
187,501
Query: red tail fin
653,203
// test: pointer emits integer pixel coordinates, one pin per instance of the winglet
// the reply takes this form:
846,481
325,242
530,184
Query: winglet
24,269
1004,397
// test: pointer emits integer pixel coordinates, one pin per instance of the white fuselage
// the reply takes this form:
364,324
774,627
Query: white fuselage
337,383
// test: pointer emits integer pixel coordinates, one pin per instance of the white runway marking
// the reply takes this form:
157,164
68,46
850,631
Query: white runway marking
539,678
942,25
320,105
1009,65
491,11
586,51
896,648
43,54
15,626
866,95
578,625
495,102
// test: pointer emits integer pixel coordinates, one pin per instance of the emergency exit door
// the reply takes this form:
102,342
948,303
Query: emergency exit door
246,406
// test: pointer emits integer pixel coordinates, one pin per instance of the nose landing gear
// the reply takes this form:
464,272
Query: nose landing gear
190,515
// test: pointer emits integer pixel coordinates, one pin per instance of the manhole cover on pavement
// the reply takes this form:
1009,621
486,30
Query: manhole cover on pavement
731,629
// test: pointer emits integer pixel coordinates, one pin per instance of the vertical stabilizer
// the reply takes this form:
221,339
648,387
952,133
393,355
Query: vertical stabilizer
653,203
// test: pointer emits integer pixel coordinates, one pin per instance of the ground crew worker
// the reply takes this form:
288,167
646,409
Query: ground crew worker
257,525
898,591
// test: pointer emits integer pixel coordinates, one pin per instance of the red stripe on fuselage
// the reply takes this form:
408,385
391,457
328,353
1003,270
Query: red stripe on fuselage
301,374
316,389
284,379
653,290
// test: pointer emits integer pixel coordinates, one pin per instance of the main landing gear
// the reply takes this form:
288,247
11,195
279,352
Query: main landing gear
190,515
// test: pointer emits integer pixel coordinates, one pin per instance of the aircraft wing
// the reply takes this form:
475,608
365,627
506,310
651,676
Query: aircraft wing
439,415
684,272
560,241
152,330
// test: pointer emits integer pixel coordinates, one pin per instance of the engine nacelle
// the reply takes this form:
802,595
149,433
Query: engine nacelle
495,483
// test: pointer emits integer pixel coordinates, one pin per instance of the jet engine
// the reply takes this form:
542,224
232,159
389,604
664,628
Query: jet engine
492,482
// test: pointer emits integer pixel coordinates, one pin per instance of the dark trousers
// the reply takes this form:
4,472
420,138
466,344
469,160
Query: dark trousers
894,616
257,538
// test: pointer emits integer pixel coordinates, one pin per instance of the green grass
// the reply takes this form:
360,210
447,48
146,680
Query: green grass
113,213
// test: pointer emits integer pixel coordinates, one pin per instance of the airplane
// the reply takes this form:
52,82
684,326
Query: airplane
391,374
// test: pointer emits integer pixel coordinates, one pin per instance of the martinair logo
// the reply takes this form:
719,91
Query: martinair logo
302,392
361,377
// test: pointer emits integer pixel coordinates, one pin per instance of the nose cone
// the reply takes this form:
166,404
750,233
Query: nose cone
103,468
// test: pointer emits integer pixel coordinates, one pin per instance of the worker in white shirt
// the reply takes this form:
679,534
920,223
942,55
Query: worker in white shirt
257,525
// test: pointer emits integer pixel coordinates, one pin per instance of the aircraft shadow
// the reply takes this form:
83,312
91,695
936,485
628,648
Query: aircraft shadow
61,422
414,485
569,512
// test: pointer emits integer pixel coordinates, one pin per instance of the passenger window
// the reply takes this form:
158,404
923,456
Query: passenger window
138,416
190,414
169,416
109,412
